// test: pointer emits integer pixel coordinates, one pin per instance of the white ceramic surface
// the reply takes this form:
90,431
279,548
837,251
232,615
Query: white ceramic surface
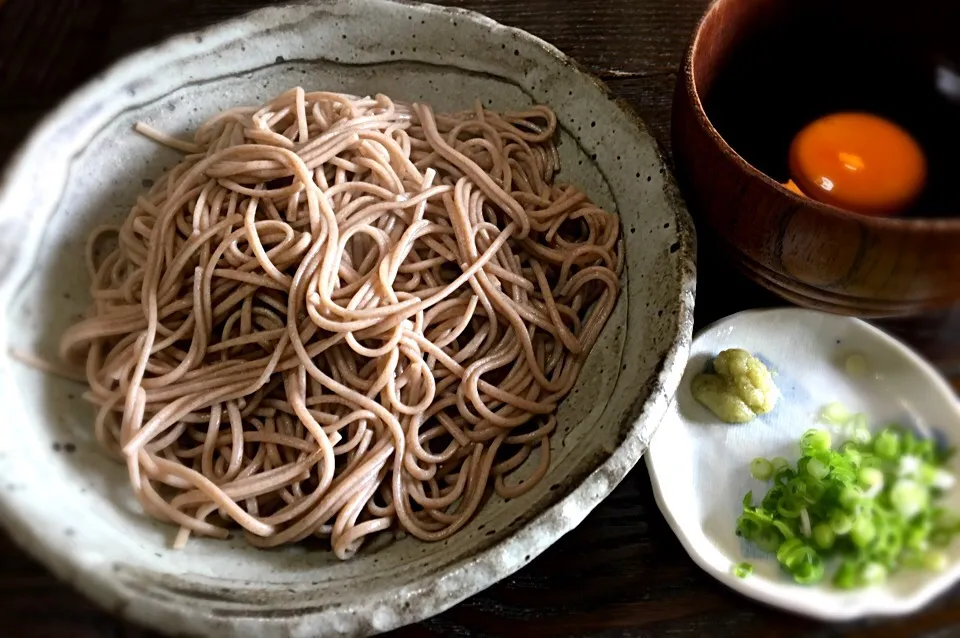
700,466
71,507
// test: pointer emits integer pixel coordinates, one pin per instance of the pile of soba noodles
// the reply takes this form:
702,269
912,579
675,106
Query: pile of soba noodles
339,315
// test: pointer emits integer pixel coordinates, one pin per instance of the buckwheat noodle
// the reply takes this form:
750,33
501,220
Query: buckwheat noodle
339,315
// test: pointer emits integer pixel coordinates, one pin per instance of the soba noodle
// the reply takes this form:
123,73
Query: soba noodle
341,315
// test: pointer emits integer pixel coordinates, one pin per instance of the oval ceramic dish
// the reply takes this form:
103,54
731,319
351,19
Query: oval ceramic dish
71,507
700,467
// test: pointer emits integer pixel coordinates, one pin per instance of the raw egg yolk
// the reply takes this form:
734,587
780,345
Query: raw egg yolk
859,162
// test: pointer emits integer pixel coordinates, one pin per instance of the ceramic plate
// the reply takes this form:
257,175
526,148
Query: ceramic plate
72,508
700,466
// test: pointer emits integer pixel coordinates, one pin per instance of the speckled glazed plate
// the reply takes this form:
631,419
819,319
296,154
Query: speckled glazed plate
71,507
700,467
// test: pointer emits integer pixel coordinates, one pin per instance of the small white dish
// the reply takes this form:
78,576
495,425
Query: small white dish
699,466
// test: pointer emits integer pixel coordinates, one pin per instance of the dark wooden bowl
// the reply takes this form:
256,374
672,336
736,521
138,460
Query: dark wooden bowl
813,254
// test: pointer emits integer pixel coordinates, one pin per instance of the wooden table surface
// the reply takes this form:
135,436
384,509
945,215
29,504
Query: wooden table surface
622,572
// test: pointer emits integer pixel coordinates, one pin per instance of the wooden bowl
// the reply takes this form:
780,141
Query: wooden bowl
810,253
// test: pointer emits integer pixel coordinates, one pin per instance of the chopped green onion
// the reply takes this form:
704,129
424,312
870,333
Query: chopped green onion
848,576
887,445
789,507
850,497
768,540
863,531
815,440
805,528
783,475
853,455
817,469
840,522
761,469
915,538
870,477
815,489
772,498
910,444
824,536
835,414
873,574
911,466
785,530
870,503
788,548
742,570
909,498
801,560
943,480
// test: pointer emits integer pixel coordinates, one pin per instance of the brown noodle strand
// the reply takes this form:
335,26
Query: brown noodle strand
341,315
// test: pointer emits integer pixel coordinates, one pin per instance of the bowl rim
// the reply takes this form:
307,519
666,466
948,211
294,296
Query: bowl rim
918,225
562,515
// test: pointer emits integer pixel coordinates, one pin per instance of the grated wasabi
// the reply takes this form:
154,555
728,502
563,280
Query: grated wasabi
740,388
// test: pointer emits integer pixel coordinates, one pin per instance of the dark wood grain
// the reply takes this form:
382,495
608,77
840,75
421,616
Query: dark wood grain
622,572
